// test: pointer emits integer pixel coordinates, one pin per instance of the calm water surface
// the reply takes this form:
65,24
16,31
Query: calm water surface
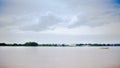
59,57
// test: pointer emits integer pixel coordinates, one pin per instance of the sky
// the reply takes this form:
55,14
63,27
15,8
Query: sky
60,21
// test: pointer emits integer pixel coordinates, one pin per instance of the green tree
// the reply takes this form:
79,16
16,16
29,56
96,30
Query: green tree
3,44
31,44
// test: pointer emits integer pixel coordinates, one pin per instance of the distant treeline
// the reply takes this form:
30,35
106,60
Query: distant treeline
31,44
56,45
97,44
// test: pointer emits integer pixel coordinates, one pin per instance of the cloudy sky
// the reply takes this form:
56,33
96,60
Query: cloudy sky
60,21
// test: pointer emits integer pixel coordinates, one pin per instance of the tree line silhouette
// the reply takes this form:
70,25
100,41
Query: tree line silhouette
56,45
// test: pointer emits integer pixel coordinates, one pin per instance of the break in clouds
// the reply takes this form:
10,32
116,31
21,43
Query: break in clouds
65,17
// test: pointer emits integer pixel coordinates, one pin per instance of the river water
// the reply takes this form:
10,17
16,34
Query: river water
59,57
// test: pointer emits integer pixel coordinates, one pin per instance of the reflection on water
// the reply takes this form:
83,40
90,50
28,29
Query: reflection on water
59,57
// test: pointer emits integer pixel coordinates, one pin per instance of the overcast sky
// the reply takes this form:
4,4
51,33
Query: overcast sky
60,21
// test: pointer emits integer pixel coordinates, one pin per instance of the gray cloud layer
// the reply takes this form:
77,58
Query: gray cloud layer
29,15
96,20
61,21
44,23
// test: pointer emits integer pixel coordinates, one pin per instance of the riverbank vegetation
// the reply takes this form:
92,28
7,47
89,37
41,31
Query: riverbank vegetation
56,45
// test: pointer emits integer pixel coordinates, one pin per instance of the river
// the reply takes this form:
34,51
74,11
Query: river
59,57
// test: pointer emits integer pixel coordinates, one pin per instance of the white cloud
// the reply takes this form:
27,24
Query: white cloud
61,17
107,29
90,12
